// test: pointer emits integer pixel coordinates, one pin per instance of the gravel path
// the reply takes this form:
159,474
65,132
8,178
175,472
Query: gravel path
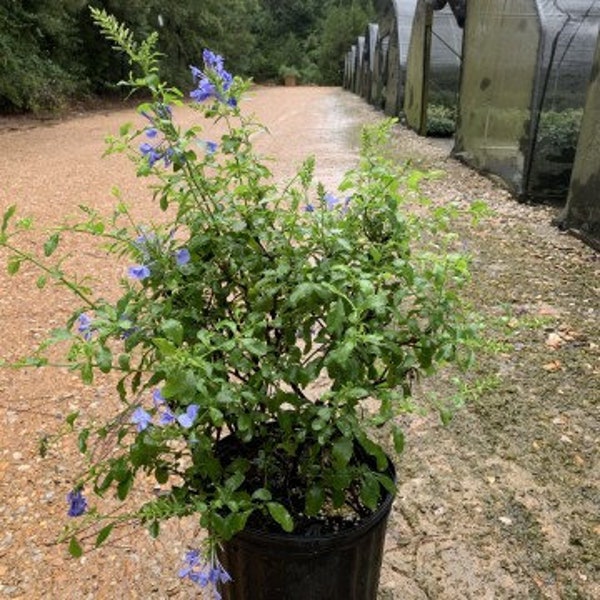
503,503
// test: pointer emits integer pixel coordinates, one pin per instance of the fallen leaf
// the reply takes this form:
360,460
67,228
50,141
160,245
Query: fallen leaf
554,341
553,367
545,310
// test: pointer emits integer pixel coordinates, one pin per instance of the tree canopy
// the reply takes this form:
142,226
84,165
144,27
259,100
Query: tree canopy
50,51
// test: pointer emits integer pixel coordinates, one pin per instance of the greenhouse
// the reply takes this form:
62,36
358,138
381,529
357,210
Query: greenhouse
394,35
358,65
369,86
380,70
433,69
526,66
349,68
582,211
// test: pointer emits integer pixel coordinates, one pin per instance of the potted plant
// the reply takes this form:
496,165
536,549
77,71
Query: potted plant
263,334
289,75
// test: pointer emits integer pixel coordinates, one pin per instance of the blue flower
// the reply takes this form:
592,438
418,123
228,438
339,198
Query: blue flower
158,398
156,153
77,503
182,256
141,418
204,91
212,60
187,419
166,417
85,326
309,208
151,153
138,272
331,201
204,572
211,147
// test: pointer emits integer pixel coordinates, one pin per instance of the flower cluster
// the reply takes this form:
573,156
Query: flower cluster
142,419
154,148
150,249
212,82
207,573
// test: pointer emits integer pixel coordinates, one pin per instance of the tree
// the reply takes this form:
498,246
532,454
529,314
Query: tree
343,23
38,50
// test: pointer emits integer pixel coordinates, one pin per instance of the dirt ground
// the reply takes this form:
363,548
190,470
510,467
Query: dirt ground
502,503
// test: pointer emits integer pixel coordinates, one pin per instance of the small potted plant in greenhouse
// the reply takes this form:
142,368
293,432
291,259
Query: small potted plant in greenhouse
266,338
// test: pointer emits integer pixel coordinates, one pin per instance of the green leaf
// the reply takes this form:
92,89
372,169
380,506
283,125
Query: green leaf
124,362
41,282
104,358
13,266
234,482
70,420
173,331
161,474
154,529
82,440
375,451
103,534
75,549
216,416
369,491
9,213
255,347
342,450
387,482
303,293
244,422
165,347
315,497
87,373
337,317
125,486
281,516
398,437
50,244
262,494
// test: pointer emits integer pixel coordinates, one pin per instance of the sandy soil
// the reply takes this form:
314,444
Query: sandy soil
503,503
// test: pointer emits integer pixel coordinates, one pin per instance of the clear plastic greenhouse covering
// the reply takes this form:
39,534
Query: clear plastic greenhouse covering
582,212
526,65
433,69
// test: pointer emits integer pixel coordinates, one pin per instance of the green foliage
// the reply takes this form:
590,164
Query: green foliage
51,52
37,48
342,24
239,304
441,120
558,133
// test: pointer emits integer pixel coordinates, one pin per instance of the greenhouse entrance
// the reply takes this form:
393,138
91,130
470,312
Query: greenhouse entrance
433,70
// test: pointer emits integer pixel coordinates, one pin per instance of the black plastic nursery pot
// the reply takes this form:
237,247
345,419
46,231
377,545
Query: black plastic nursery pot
337,566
